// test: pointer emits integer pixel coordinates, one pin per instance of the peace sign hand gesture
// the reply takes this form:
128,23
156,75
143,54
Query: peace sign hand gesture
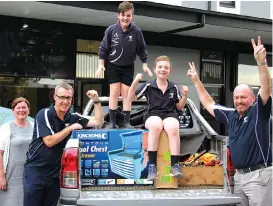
259,50
192,73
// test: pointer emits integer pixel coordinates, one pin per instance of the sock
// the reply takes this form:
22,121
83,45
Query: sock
174,159
113,116
127,117
152,157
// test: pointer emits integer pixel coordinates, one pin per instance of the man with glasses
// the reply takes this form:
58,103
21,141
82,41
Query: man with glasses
52,129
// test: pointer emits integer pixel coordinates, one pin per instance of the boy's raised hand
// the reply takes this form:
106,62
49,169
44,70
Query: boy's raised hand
138,77
185,90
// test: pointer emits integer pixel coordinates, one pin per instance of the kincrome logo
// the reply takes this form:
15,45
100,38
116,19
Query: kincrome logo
88,182
93,136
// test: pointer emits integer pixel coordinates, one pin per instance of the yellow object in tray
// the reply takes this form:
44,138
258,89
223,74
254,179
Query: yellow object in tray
207,159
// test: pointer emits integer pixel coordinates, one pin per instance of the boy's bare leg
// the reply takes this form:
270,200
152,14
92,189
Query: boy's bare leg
171,127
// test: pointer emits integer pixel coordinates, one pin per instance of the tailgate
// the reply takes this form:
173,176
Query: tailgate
158,197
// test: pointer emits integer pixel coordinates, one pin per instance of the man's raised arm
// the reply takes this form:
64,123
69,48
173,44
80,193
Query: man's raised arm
204,96
264,74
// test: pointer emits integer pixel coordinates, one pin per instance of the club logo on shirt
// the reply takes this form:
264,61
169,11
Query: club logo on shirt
114,41
171,95
113,53
130,38
245,120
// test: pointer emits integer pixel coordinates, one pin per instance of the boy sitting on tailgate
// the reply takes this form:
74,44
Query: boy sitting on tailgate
163,98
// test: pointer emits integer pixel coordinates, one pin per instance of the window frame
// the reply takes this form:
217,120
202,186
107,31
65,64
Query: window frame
233,10
269,56
227,4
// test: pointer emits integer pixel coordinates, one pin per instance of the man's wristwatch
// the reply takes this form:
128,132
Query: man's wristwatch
261,63
96,102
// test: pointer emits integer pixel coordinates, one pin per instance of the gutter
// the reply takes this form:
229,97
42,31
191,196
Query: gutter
197,26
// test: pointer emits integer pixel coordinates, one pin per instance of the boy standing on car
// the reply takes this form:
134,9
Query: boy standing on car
163,97
117,52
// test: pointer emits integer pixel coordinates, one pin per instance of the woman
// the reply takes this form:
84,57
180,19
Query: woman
15,137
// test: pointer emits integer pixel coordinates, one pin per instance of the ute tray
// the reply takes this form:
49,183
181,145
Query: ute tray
144,187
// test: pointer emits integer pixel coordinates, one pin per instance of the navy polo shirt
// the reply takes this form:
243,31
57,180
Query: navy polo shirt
120,48
46,161
156,100
250,140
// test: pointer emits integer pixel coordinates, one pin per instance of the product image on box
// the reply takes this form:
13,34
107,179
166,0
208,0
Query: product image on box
96,164
96,172
88,164
88,172
127,162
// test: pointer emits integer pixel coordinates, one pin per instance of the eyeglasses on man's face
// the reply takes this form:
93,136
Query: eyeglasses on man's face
63,98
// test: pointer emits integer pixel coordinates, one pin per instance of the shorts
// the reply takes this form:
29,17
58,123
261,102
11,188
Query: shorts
122,74
162,115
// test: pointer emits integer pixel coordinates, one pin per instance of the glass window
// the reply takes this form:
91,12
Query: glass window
212,73
212,69
228,4
248,70
38,91
35,49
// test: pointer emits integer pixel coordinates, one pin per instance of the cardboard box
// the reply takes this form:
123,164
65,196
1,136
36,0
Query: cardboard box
198,176
164,179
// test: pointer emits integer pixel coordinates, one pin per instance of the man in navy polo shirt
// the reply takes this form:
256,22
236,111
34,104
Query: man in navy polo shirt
52,129
120,45
249,132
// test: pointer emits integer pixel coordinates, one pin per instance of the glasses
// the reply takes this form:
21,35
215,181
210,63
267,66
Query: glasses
62,98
